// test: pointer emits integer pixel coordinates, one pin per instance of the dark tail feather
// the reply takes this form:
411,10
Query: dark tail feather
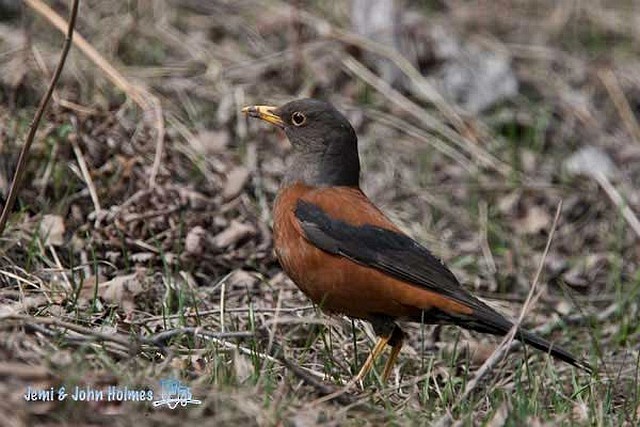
556,351
485,319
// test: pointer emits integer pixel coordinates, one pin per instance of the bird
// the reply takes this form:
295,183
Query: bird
348,257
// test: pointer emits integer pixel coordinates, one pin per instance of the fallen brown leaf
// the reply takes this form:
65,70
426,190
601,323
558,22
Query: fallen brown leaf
236,179
235,232
194,242
535,220
211,141
52,229
122,290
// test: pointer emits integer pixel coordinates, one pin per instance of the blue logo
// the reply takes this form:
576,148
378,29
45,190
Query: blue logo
174,393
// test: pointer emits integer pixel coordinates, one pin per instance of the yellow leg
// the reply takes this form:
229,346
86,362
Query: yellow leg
379,347
395,350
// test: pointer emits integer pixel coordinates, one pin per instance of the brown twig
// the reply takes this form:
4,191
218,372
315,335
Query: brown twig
84,170
216,312
619,201
120,339
33,127
163,336
611,83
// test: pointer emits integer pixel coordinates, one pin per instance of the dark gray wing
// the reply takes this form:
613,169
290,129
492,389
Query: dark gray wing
393,253
403,258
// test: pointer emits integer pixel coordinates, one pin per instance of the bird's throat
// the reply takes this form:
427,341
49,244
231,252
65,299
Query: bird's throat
322,170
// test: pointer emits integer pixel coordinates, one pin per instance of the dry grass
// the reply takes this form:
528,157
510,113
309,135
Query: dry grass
127,261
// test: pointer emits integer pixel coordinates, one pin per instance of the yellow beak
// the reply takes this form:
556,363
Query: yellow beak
264,112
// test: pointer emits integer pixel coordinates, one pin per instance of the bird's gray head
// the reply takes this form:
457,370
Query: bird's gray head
324,143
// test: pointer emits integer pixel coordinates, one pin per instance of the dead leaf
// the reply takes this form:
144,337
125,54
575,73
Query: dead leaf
590,161
480,351
14,71
106,330
236,179
528,160
88,290
211,141
194,242
142,257
508,203
235,232
24,305
535,220
587,270
52,229
243,366
14,66
194,362
563,308
575,277
555,264
122,290
242,279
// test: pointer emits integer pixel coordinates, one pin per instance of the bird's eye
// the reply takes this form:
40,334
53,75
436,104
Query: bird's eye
298,118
